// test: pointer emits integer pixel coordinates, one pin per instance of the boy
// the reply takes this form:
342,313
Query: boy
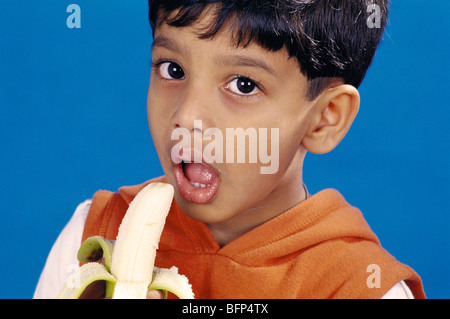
246,227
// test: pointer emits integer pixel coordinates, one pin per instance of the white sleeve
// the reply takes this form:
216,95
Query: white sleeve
399,291
62,260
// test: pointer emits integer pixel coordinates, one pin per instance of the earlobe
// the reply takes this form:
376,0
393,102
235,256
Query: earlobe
336,110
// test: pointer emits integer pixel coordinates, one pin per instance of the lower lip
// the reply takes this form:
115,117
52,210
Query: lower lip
194,194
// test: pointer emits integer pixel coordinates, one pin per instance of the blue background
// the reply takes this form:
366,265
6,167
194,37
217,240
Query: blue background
73,120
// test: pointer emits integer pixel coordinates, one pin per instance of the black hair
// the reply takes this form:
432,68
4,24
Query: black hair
331,39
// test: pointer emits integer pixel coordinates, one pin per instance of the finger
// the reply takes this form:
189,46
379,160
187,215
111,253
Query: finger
155,294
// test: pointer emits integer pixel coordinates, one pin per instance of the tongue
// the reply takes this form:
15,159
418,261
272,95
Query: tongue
199,173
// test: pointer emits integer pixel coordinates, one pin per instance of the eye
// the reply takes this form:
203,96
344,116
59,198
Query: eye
171,71
243,86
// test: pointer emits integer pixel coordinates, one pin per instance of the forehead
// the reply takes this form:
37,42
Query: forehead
211,23
204,23
189,39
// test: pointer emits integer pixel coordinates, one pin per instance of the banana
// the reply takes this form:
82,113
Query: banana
128,268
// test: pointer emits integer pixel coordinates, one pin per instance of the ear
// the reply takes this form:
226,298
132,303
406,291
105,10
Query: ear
334,112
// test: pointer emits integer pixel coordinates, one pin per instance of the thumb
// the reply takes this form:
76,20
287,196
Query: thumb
155,294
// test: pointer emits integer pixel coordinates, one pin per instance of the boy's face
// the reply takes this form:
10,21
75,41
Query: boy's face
221,86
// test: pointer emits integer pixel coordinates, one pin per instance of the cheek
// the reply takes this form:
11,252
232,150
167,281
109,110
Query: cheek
157,125
157,110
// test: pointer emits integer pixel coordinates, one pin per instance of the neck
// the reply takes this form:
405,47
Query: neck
287,197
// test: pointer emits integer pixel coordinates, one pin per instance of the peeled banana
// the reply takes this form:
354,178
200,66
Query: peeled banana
128,269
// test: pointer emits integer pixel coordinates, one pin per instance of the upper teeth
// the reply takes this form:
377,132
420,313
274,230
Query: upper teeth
199,185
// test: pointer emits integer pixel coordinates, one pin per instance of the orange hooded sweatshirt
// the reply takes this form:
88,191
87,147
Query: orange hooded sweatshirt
321,248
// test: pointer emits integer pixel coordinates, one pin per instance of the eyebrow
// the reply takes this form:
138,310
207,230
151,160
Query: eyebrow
242,60
234,60
164,42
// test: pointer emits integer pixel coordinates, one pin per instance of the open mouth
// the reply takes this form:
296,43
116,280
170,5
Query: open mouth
197,182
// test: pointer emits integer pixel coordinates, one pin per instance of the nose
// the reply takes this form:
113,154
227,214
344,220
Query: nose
193,105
